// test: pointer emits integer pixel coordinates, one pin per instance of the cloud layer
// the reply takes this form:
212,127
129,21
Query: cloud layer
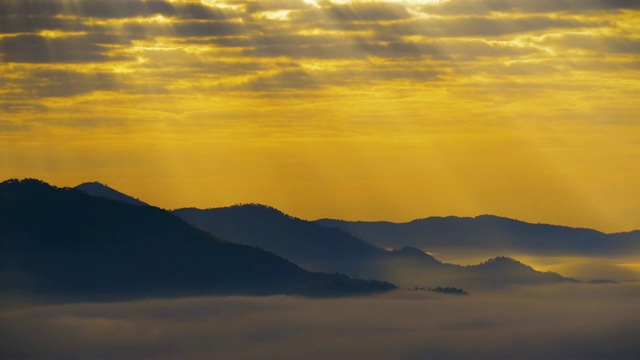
321,39
575,322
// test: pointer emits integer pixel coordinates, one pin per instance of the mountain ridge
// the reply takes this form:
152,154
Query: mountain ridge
335,250
490,232
332,249
64,242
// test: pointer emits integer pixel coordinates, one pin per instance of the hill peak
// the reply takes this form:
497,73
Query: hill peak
253,209
502,260
24,182
98,189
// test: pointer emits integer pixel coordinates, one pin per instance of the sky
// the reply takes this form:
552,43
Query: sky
357,110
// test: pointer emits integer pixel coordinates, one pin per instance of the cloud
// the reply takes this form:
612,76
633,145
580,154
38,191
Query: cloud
367,12
484,27
110,9
208,28
535,323
28,23
201,12
466,7
272,5
601,44
377,41
71,49
325,47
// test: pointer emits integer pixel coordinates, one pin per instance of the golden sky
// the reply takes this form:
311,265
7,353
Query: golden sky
347,109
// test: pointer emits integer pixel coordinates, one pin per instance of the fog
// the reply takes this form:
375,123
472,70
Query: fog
568,321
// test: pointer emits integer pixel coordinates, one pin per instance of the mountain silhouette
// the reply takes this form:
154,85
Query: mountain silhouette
512,271
327,249
64,243
491,233
298,240
331,249
102,190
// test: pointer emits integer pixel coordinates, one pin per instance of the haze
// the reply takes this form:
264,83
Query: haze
568,322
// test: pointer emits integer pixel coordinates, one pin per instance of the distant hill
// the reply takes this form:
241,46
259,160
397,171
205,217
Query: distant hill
64,243
331,249
490,233
515,271
102,190
300,241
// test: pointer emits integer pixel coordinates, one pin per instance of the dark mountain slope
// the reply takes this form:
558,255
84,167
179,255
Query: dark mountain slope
332,249
301,241
63,242
492,233
101,190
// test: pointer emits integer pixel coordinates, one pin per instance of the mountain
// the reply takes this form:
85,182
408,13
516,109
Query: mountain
300,241
64,243
102,190
498,272
331,249
512,271
490,233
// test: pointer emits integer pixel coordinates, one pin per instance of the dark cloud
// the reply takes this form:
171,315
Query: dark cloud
201,12
283,39
312,51
292,45
119,8
110,9
459,7
28,24
438,27
369,12
483,27
208,28
30,8
185,31
70,49
358,48
355,16
272,5
87,8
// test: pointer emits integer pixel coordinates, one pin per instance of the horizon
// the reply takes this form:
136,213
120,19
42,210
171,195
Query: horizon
320,218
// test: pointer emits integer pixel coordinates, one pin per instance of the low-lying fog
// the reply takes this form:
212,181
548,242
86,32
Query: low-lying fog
568,321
